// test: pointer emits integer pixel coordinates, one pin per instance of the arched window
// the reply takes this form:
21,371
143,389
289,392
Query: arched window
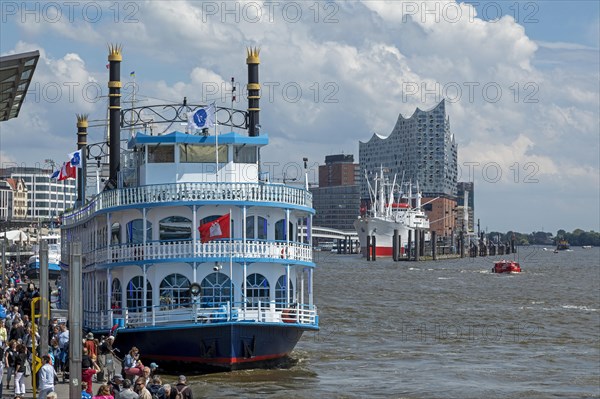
175,228
135,294
116,300
175,291
216,290
280,292
257,289
135,231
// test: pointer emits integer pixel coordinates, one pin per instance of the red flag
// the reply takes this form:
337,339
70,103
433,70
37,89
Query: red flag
67,172
218,228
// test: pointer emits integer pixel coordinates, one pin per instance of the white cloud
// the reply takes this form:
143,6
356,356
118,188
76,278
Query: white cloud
353,75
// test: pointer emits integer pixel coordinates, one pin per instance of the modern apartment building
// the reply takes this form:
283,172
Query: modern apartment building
420,149
46,198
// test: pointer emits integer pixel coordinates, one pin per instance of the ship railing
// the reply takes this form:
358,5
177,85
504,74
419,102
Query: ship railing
158,250
197,313
219,192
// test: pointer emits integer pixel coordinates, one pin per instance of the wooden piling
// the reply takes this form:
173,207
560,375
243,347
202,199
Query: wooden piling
368,248
374,248
417,244
395,246
433,246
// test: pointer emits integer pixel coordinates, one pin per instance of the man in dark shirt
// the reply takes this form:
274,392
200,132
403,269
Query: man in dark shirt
183,388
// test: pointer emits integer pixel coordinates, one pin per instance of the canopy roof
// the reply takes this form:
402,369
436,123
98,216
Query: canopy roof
16,71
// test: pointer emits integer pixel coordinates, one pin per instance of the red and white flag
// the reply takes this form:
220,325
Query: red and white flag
67,172
218,228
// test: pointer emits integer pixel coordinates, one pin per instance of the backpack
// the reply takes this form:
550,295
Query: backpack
157,391
179,394
2,312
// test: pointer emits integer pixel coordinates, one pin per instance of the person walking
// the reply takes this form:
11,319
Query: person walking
46,376
20,369
183,388
10,358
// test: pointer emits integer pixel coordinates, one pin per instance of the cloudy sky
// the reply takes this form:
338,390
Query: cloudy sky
521,81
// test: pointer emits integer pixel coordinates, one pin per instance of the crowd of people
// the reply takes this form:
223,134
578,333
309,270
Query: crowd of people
105,375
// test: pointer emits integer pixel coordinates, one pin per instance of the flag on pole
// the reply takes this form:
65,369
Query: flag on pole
132,74
75,159
218,228
67,172
55,174
201,118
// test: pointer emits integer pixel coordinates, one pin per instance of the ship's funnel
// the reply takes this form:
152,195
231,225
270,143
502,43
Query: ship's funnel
253,60
114,93
82,125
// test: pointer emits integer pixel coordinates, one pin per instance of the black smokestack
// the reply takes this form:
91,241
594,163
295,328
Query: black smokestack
82,125
114,92
253,60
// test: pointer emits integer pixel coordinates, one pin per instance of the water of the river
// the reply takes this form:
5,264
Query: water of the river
445,329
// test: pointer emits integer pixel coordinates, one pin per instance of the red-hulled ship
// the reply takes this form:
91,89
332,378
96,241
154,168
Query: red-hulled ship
391,209
506,266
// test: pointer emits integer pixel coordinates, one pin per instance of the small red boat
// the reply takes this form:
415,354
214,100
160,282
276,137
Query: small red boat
506,266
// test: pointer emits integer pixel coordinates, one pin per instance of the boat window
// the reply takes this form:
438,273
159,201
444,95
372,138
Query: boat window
250,227
161,153
280,292
257,289
116,301
261,228
175,228
115,234
280,230
174,291
135,295
189,153
103,297
135,230
216,290
244,154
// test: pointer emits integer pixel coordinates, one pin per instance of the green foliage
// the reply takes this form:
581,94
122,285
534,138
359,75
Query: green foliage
576,238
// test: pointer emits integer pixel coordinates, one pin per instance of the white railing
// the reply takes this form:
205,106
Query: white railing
164,315
185,249
218,192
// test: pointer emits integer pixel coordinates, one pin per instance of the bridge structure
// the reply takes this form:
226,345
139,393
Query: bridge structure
328,233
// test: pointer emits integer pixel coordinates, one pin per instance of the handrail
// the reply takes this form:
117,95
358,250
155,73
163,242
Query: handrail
265,312
163,193
159,250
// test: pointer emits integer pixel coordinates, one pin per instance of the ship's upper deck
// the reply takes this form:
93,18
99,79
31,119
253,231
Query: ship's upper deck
179,157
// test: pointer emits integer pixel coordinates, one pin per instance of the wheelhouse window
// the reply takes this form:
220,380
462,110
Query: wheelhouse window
216,290
257,289
135,231
174,291
135,294
244,154
175,228
189,153
161,153
280,292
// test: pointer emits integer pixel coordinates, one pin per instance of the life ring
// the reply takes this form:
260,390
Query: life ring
288,315
282,253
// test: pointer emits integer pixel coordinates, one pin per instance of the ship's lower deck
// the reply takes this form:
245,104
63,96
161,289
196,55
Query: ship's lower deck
213,347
